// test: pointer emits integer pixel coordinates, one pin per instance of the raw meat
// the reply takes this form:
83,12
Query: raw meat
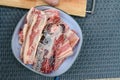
46,40
37,21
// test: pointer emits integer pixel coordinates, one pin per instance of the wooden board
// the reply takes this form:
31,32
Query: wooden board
73,7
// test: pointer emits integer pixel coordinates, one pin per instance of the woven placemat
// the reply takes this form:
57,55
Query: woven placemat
100,53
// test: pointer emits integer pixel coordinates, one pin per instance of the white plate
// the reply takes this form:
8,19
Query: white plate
69,61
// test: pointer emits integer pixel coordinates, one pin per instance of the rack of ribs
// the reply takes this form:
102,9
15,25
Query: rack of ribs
46,40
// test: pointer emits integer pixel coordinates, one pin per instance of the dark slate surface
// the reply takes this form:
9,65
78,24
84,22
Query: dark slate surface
98,58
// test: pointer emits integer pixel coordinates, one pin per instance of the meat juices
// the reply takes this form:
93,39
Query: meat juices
46,40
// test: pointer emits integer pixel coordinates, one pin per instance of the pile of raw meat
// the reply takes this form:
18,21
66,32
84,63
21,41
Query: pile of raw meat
46,41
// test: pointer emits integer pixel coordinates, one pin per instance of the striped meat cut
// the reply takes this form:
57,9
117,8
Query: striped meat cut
46,40
36,22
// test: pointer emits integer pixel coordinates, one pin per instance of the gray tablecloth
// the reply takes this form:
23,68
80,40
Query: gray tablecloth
98,58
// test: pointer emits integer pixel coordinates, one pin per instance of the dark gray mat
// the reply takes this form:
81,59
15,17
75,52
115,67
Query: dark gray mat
100,53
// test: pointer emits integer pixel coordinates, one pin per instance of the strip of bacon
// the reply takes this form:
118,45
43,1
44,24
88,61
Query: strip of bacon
33,37
72,37
64,51
23,32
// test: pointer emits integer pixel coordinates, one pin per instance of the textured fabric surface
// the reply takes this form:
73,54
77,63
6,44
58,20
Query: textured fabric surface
98,58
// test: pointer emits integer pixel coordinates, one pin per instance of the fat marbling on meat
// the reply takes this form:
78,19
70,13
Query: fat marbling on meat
46,40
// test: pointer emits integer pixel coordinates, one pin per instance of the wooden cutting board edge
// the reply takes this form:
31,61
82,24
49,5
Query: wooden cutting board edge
8,3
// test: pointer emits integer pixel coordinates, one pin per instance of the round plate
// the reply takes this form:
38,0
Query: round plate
68,62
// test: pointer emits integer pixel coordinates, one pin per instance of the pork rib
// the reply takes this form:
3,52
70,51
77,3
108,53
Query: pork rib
64,51
38,21
46,40
72,37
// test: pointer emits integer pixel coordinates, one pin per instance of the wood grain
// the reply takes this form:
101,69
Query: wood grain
73,7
